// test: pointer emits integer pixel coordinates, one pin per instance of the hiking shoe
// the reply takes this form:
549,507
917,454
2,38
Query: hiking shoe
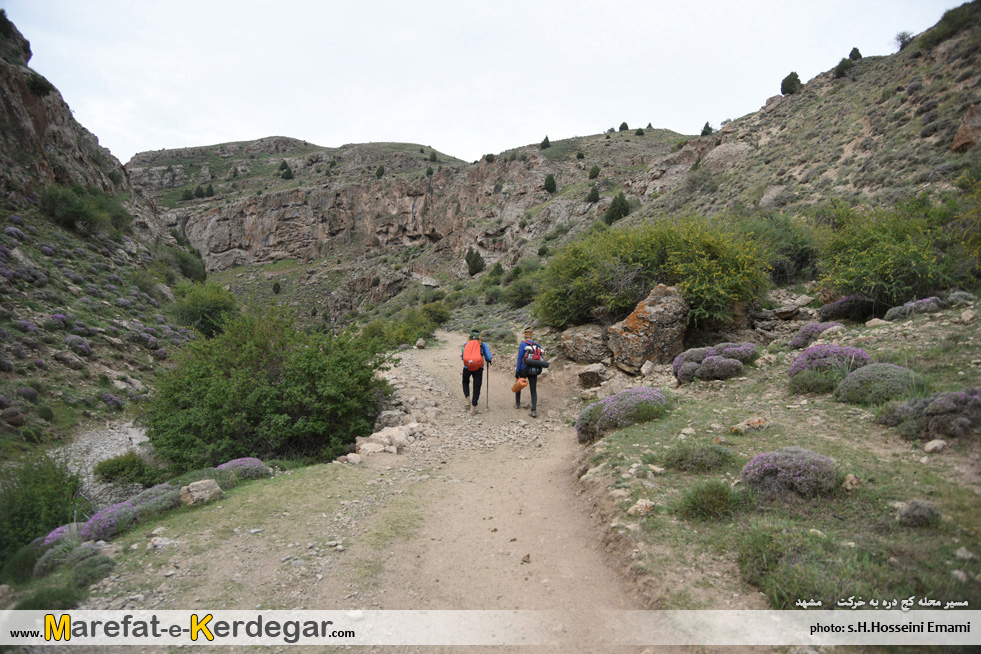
466,402
534,414
473,410
517,405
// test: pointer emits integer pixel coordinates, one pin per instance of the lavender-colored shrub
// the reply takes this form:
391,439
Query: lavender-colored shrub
955,414
109,521
926,305
828,357
78,345
47,250
15,233
156,499
16,219
246,468
25,326
791,469
27,393
744,352
623,409
725,360
112,401
810,333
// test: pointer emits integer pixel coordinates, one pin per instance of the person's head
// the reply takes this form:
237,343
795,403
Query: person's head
529,333
474,334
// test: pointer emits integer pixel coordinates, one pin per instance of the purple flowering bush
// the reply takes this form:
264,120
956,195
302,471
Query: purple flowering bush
112,401
78,345
109,521
955,414
791,469
15,233
810,333
156,499
27,393
60,533
878,383
821,367
722,361
25,326
623,409
246,468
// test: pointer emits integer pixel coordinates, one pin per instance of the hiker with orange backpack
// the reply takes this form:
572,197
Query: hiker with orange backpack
475,353
531,361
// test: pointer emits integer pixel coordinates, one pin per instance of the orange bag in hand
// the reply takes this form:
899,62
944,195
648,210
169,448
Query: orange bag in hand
518,385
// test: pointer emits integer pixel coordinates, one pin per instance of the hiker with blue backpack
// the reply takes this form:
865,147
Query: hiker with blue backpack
475,353
531,362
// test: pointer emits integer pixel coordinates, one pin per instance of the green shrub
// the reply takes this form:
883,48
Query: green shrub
205,307
580,155
521,293
493,295
199,191
276,288
678,145
37,494
380,172
594,172
791,84
550,183
903,39
127,468
709,500
489,158
187,195
618,209
593,195
639,132
951,23
889,256
843,67
790,246
854,55
263,388
55,598
879,383
545,144
707,129
90,570
609,271
699,458
19,568
436,312
475,262
39,85
624,127
85,210
45,412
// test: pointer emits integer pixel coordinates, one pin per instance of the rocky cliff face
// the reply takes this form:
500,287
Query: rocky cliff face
41,142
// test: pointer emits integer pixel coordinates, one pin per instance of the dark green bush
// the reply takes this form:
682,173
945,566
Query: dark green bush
707,129
276,288
843,67
380,172
624,127
550,183
475,262
953,21
791,84
699,458
127,468
85,210
90,570
639,132
594,172
205,307
187,195
854,55
45,412
791,246
436,312
56,598
521,292
709,500
19,568
545,144
198,191
263,388
39,85
593,195
37,494
618,209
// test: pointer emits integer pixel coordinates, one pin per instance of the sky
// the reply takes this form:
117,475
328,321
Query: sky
466,78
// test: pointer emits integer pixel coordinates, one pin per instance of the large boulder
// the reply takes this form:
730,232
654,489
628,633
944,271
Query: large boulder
593,375
969,133
585,344
200,492
655,331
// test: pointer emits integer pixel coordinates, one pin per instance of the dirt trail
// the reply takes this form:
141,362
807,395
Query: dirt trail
512,534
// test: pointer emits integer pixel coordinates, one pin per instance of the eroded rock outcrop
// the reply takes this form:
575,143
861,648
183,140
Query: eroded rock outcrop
655,331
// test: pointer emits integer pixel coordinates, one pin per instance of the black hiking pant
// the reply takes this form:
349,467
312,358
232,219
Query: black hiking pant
478,379
533,388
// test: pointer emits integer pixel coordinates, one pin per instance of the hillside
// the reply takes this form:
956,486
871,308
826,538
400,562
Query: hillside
880,132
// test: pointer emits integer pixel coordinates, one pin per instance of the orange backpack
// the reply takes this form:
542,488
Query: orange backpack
473,358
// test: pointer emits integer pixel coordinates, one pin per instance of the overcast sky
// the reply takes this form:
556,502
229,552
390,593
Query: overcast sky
466,78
